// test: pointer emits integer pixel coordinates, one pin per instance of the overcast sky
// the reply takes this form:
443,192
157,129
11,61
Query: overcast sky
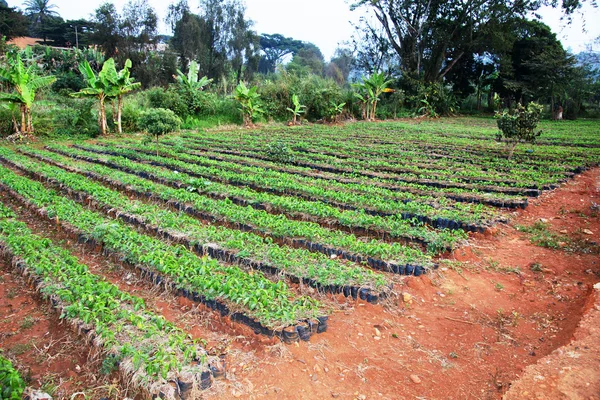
327,22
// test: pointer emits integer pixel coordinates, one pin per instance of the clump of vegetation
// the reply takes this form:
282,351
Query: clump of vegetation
25,83
280,152
519,126
11,383
159,121
298,109
249,102
541,236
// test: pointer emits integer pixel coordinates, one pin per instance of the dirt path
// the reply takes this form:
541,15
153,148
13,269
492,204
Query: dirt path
465,332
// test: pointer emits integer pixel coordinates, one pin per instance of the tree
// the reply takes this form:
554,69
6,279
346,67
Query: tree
308,60
431,36
120,86
298,109
138,29
340,65
40,12
191,86
12,22
249,101
187,35
25,84
275,47
243,44
519,126
159,121
106,32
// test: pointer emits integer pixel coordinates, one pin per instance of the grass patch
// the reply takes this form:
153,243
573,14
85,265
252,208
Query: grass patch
28,322
20,348
540,235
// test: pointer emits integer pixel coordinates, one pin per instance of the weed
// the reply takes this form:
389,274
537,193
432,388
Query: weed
12,293
48,384
28,322
20,348
499,287
536,267
110,364
541,236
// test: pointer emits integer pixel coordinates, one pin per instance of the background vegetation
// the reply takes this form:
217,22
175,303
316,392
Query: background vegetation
413,58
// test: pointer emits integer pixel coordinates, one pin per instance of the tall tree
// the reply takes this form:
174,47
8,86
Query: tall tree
98,86
12,22
187,35
106,33
275,47
138,27
121,83
40,12
340,65
431,36
308,59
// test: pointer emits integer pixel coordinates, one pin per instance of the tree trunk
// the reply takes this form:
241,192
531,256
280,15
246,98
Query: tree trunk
511,150
373,112
119,112
102,117
29,121
23,120
15,124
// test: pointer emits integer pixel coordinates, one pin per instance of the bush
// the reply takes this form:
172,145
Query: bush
169,99
315,92
519,126
74,118
159,121
68,82
280,152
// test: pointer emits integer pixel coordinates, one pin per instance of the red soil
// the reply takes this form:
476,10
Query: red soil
465,331
464,335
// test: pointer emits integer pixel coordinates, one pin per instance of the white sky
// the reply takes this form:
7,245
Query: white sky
327,22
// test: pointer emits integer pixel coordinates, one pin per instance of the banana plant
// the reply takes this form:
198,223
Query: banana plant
120,87
249,101
298,109
365,95
191,81
368,92
107,84
25,83
100,86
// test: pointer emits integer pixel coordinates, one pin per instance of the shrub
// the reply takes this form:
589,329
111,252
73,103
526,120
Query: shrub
159,121
279,152
74,118
169,99
519,126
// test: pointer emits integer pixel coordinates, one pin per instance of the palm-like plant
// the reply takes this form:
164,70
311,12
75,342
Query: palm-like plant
99,86
25,83
249,100
298,109
191,81
39,11
376,85
120,87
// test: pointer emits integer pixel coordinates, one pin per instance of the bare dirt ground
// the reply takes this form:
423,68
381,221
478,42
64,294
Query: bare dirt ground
466,331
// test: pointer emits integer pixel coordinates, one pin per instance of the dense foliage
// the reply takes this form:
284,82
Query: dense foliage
411,59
